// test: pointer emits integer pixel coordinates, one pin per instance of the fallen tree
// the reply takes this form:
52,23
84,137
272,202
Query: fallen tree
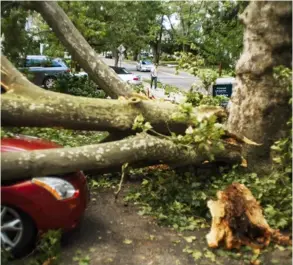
28,105
25,104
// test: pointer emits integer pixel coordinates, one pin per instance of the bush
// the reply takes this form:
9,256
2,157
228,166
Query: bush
78,86
207,77
197,99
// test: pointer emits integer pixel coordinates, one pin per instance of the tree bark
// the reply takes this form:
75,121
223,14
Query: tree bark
260,108
159,43
143,149
79,48
25,104
116,57
154,46
135,56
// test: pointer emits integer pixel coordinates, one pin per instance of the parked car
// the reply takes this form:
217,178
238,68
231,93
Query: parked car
122,73
32,207
143,65
127,76
109,55
44,69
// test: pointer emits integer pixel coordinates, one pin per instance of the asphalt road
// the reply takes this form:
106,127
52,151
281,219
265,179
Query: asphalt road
166,75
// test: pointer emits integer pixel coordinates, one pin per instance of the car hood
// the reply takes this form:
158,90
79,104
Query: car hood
25,143
128,77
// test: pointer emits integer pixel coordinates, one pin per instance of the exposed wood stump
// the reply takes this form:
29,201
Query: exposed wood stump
237,219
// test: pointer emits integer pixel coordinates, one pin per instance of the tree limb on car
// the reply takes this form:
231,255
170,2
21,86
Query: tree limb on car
142,148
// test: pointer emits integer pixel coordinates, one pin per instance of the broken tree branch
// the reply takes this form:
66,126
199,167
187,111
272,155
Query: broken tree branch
25,104
142,149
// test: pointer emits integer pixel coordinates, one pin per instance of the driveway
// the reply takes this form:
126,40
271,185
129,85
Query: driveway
113,233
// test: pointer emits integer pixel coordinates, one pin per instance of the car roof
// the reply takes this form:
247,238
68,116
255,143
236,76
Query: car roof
43,57
147,61
25,143
36,57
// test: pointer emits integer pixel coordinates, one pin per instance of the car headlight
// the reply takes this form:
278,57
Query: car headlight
59,188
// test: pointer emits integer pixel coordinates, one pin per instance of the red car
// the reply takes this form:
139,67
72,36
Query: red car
31,207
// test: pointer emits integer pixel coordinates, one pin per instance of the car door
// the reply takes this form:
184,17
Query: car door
36,69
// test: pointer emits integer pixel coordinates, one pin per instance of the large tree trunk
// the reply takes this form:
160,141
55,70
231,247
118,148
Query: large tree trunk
260,106
143,149
78,47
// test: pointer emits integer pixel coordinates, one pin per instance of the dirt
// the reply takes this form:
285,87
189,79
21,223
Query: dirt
113,233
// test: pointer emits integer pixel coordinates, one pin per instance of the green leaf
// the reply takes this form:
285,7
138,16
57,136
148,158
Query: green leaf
196,254
210,255
187,250
127,241
189,239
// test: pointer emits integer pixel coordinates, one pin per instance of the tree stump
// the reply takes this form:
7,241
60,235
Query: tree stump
237,219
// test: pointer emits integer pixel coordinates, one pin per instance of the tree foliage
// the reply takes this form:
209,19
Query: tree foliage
16,41
220,41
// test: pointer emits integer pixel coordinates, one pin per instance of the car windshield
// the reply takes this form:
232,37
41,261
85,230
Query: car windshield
146,62
120,71
44,62
58,63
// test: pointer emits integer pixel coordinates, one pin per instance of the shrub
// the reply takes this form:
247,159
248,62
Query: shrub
197,99
78,86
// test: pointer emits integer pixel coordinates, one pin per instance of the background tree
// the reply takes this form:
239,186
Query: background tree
188,14
16,40
211,28
220,38
260,108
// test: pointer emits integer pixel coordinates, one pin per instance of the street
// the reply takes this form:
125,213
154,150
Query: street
166,75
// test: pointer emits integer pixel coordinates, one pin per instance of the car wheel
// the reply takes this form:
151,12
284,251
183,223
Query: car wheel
18,231
49,82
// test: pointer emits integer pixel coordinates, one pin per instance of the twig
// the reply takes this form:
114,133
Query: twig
123,173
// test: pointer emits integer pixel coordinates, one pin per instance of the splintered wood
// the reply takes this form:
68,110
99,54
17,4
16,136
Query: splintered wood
237,219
